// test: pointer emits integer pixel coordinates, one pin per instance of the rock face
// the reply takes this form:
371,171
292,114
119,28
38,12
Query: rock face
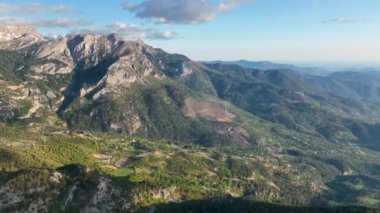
128,69
126,61
11,32
18,36
97,69
84,51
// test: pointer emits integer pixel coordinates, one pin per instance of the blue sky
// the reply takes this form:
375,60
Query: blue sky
277,30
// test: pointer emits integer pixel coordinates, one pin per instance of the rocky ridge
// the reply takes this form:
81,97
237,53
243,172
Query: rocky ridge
95,68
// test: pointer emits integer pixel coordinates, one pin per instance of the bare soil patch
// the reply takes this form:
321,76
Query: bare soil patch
208,110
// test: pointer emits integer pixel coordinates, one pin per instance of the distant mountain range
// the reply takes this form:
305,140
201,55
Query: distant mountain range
261,65
153,127
267,65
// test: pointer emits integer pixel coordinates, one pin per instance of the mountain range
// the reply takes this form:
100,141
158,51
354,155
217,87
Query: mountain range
268,65
120,123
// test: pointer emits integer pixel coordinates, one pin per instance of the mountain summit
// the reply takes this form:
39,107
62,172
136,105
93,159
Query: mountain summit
18,36
11,32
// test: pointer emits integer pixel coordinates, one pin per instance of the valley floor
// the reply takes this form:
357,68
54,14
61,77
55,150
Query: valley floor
69,171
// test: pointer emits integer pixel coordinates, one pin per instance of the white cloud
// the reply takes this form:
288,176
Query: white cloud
21,8
60,22
130,32
32,8
343,20
133,32
49,23
167,35
4,7
20,14
181,11
60,8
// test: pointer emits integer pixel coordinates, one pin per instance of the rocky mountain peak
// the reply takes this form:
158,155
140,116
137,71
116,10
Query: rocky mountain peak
83,45
18,36
85,51
11,32
114,38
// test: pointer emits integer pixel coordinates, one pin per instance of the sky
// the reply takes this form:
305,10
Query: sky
332,31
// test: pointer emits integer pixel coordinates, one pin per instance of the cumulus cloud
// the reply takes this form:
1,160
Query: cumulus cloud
181,11
4,7
29,8
132,32
25,9
61,8
128,31
343,20
20,14
60,22
21,8
49,23
10,20
166,35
